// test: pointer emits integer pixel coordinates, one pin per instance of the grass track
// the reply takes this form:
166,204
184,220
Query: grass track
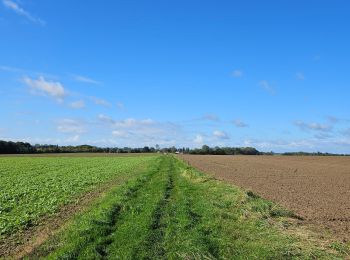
176,212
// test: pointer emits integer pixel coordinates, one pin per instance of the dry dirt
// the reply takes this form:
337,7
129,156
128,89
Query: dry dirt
317,188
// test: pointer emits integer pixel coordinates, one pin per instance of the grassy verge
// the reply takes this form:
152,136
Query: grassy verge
173,211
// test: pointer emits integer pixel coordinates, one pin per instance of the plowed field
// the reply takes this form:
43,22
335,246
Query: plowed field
315,188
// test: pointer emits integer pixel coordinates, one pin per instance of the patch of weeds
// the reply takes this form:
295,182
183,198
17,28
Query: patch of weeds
341,248
252,195
276,212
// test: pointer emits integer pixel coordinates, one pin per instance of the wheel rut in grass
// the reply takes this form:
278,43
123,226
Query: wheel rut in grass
107,239
154,242
108,227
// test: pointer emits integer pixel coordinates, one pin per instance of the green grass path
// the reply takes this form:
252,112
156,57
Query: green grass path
172,211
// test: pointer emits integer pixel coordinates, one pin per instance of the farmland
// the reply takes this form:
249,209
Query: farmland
34,187
151,207
315,188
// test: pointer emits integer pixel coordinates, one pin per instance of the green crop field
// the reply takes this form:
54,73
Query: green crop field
33,187
160,209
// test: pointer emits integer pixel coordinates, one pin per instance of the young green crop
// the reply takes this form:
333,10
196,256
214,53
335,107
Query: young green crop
34,187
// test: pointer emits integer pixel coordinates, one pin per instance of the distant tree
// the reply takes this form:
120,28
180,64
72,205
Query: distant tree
205,149
146,149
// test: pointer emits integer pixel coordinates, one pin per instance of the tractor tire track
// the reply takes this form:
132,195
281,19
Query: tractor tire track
111,225
154,242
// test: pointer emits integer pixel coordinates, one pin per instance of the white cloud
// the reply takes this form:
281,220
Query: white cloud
221,135
42,86
73,139
267,87
300,76
70,126
279,144
77,104
141,132
121,134
313,126
199,139
237,73
20,11
131,122
105,118
11,69
306,145
100,102
323,135
126,123
85,80
239,123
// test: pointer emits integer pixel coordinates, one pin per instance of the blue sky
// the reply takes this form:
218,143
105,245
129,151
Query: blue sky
268,74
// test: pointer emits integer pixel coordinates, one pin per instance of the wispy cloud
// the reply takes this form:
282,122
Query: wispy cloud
84,79
20,11
105,118
237,73
306,145
120,106
211,117
239,123
120,134
313,126
267,87
70,126
346,132
199,139
141,132
100,102
49,88
79,104
333,119
22,71
221,135
300,76
133,123
72,139
128,123
323,135
11,69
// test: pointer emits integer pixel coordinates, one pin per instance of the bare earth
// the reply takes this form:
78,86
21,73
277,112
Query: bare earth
316,188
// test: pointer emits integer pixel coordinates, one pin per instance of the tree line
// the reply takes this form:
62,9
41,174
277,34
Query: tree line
8,147
224,150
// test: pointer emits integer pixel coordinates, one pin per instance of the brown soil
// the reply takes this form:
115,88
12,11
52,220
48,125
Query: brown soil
23,243
317,188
